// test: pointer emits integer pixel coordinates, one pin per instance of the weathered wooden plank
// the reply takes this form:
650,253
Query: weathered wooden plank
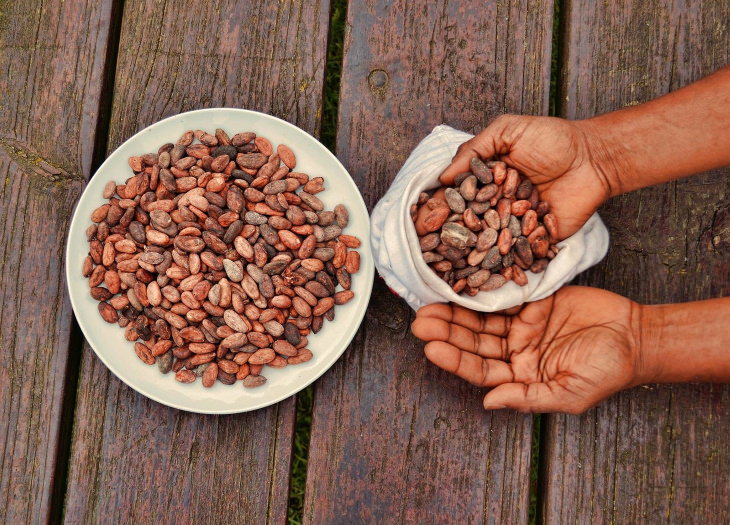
654,454
134,460
393,438
50,87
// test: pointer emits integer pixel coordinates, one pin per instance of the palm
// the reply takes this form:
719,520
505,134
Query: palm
552,153
564,353
576,341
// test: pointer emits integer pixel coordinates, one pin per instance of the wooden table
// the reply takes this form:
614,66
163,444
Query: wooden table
394,440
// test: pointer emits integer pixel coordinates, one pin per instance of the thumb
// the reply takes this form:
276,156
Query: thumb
474,147
534,397
485,145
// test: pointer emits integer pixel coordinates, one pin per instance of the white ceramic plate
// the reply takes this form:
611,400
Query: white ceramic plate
108,341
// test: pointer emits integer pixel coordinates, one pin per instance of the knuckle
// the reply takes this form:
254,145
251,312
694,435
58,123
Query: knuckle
463,147
505,119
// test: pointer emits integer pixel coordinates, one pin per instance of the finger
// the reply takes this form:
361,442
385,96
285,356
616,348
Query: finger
489,143
484,345
472,368
534,397
537,311
460,163
427,330
512,311
485,145
425,211
437,310
486,323
420,222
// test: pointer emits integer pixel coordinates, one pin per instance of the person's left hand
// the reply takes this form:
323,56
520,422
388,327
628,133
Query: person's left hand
561,354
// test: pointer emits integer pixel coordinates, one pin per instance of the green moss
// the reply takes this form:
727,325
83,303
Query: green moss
555,60
333,73
300,454
328,137
534,511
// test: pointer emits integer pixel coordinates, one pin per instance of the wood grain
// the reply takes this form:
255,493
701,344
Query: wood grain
654,454
50,83
134,460
394,439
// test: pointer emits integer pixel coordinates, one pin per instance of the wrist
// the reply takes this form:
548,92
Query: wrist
647,333
607,156
682,342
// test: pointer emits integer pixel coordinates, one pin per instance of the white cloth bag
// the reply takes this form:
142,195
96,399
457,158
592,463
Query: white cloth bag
398,255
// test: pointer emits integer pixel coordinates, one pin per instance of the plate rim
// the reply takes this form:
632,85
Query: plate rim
365,298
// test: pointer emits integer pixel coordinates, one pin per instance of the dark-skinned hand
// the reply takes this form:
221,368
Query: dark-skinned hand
561,354
555,154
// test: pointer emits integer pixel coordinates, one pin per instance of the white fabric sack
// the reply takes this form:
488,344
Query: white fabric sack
398,254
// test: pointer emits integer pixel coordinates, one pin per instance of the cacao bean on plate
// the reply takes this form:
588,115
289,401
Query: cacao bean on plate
216,258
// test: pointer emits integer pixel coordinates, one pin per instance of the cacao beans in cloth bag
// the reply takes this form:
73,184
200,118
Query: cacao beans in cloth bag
398,255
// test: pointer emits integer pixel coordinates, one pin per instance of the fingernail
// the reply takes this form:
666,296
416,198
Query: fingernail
494,407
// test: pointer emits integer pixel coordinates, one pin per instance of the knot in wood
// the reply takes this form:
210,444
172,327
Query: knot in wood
377,80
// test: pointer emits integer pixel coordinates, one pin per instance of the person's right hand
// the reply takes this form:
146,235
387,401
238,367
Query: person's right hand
555,154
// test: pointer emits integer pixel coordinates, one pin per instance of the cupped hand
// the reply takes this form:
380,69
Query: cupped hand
555,154
561,354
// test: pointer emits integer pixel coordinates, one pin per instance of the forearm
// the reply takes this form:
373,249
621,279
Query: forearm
684,342
681,133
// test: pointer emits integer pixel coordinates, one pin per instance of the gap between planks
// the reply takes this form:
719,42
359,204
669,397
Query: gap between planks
328,137
76,338
539,427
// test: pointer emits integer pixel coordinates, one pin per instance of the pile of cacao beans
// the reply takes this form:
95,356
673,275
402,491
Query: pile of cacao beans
218,259
489,228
